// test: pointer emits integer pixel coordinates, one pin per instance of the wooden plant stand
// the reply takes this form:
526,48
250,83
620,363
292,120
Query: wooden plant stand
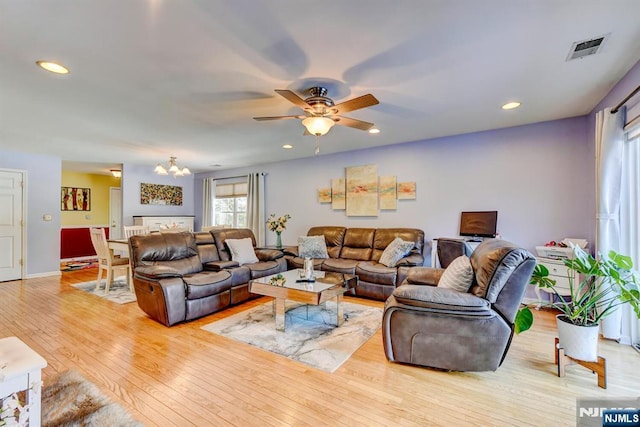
599,367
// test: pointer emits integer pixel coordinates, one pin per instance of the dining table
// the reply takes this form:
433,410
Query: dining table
119,245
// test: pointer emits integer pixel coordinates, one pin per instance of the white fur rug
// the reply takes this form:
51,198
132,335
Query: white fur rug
118,291
310,337
68,399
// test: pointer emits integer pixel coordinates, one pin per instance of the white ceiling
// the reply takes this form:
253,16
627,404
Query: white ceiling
155,78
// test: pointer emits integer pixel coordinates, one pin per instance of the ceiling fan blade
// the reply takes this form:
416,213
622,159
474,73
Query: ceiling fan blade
278,118
292,97
355,104
352,123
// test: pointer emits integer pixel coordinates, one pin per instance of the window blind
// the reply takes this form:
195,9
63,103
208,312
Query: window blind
231,190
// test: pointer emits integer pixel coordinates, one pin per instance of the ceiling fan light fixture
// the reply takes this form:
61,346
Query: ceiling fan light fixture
116,173
318,126
374,130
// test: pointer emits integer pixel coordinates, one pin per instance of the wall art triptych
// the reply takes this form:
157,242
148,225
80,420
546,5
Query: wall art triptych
363,193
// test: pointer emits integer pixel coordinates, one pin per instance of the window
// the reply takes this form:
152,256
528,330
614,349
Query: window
231,205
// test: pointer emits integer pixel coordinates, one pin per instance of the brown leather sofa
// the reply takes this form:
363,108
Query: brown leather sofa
183,276
358,250
439,327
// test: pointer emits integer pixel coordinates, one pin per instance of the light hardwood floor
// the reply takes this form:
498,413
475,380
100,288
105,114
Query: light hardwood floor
185,376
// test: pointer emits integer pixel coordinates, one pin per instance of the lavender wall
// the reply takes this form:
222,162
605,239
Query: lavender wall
539,177
42,243
624,87
134,175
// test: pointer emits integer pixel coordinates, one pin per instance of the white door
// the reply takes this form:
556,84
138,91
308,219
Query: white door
11,221
115,213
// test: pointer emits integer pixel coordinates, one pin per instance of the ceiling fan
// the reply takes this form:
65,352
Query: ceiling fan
321,113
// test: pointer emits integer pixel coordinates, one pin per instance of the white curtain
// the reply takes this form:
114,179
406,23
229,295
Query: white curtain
630,222
609,154
256,218
208,202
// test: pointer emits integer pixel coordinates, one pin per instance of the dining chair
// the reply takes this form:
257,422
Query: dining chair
135,230
107,261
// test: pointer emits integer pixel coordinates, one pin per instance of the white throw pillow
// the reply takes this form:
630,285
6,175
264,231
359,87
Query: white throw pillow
242,250
312,247
458,275
395,251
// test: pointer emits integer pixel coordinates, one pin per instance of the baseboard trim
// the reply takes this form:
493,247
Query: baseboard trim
46,274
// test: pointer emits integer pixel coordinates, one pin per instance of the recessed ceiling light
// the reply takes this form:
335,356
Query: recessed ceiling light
54,67
287,146
510,105
374,130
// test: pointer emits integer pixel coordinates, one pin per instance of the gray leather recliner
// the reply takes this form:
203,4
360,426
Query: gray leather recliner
441,328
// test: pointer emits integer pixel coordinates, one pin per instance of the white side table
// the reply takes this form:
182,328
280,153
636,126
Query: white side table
23,372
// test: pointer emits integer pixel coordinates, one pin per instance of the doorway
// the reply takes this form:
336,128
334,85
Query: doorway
115,212
11,220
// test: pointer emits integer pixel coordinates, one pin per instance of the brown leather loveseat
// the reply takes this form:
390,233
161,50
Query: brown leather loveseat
183,276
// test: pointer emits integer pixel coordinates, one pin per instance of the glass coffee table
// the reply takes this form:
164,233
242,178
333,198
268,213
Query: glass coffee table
327,286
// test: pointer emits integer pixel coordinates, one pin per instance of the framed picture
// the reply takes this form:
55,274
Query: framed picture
362,190
75,199
388,199
338,199
158,194
324,195
407,190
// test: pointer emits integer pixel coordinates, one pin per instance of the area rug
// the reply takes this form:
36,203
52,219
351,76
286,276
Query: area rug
78,265
68,399
118,291
310,336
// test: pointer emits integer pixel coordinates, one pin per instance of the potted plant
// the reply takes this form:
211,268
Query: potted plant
604,284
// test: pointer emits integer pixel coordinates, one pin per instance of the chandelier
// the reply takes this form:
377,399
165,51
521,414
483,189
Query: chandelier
172,168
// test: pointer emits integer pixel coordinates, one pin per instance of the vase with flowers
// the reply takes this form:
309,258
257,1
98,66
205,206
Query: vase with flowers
278,225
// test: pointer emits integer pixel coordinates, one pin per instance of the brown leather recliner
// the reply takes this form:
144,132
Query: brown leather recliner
441,328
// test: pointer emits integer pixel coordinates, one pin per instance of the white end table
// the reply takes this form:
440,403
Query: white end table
23,372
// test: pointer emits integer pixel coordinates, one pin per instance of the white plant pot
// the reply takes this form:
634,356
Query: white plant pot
579,342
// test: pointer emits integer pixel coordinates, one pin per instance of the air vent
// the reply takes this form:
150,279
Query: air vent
586,47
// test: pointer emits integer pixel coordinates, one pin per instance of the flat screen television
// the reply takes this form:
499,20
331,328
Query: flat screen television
478,224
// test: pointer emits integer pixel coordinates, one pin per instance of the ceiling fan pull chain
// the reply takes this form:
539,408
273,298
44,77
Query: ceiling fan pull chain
317,145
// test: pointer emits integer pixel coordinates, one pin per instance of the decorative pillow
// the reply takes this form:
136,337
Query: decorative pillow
312,247
242,250
458,275
395,251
